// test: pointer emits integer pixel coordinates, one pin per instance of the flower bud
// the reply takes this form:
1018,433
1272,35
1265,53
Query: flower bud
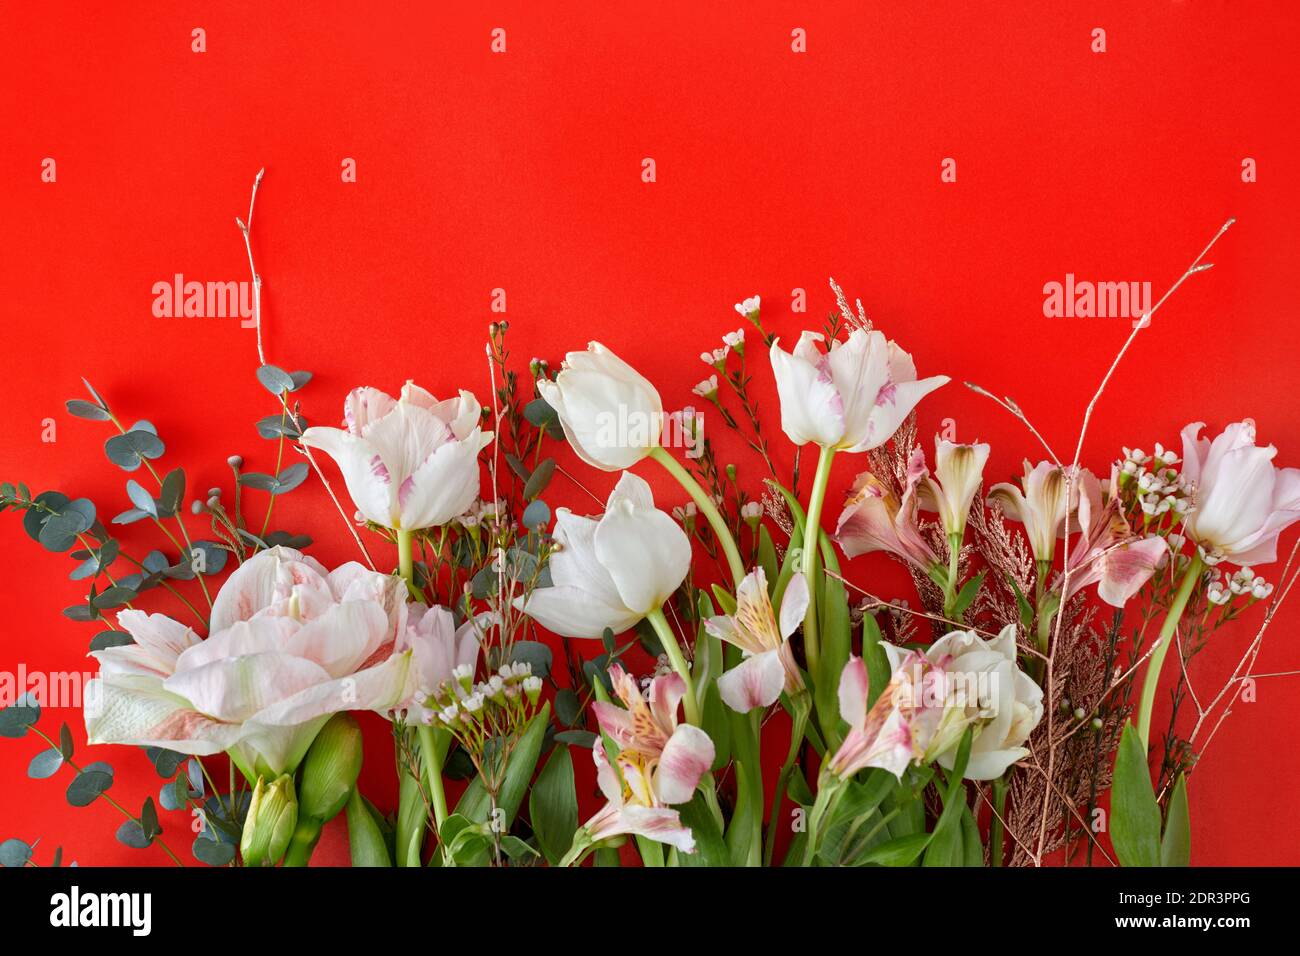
235,461
272,815
330,769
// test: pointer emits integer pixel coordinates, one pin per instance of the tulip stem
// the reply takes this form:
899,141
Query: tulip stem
812,528
430,754
708,509
669,641
405,560
1192,575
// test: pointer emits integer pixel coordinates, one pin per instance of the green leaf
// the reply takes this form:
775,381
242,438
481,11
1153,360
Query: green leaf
966,596
710,847
172,493
212,852
517,849
946,843
86,786
901,851
553,805
726,603
1176,844
536,516
275,380
1134,813
107,639
18,716
14,854
87,410
45,764
133,835
533,653
142,500
65,742
767,558
539,479
128,451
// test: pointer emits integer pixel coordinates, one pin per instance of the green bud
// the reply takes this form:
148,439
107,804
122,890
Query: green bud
330,769
272,815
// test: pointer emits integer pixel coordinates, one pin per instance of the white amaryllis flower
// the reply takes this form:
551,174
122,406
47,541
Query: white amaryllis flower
769,666
613,570
1107,552
660,762
1242,502
282,629
985,688
959,470
851,398
410,462
1041,506
611,415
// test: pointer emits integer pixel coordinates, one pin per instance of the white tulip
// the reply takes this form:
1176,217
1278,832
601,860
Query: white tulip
850,398
611,415
1242,502
411,462
610,572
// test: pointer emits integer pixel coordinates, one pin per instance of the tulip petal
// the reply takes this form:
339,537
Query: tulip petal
811,408
573,612
645,551
369,481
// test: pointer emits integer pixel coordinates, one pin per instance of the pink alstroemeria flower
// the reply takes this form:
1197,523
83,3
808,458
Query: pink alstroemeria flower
901,726
659,763
1039,504
410,462
769,666
1107,552
874,519
1242,501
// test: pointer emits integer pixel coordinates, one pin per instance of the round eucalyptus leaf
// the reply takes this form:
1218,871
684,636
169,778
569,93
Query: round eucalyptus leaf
533,653
275,380
133,835
45,764
18,716
87,786
106,639
212,852
87,410
14,854
537,515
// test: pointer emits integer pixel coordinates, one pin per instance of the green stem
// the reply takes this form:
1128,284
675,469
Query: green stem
812,528
801,707
431,755
950,588
652,853
1166,637
303,842
996,829
829,790
405,560
708,509
669,641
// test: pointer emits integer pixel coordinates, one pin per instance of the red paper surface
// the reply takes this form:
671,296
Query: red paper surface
522,171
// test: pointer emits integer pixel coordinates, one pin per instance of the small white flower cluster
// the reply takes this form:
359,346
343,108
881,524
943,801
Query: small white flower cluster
749,306
1158,486
459,706
686,513
481,512
752,512
1244,583
717,358
707,388
663,667
735,340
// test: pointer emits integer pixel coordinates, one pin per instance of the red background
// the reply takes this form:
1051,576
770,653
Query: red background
522,171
